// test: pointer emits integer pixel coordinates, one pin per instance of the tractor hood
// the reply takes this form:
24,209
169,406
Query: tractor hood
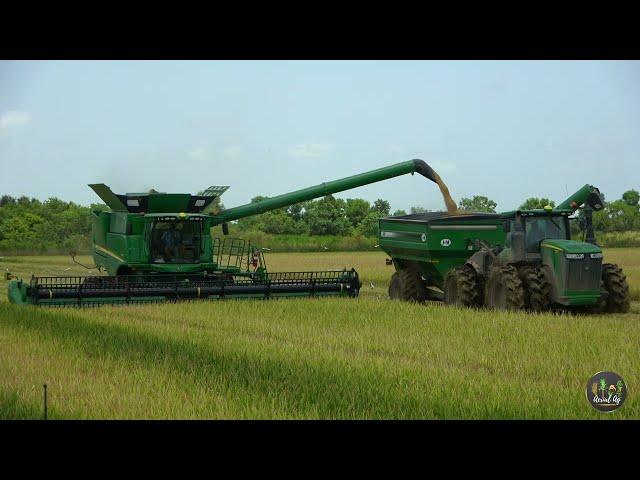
570,246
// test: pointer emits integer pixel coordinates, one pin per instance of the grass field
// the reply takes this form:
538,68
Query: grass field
310,358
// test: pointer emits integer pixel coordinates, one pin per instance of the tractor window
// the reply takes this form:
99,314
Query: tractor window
511,224
176,242
539,228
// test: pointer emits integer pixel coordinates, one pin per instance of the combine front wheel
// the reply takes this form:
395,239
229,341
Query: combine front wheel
461,287
503,290
407,285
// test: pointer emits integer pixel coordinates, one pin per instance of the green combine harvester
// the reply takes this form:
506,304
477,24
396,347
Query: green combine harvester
513,260
157,247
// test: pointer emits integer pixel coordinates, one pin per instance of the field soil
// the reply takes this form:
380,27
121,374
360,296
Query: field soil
331,358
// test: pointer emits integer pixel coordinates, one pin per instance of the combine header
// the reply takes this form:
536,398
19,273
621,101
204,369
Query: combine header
157,247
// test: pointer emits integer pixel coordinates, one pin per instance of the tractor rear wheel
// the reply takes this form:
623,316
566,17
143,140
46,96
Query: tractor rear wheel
537,291
407,285
615,283
461,287
503,289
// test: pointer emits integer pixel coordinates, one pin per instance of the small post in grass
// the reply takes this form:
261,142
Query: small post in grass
45,401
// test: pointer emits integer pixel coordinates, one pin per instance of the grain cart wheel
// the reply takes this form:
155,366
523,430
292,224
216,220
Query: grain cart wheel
615,283
461,287
537,291
407,285
503,290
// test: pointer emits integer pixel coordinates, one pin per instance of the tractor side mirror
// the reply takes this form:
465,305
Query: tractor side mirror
225,228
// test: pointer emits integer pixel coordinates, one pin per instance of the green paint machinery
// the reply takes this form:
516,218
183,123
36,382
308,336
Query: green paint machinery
157,247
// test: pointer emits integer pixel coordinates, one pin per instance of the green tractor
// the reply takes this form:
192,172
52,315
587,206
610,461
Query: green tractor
156,247
512,260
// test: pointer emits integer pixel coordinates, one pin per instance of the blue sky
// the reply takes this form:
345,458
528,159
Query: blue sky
505,129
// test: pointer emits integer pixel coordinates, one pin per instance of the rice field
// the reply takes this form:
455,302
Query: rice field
330,358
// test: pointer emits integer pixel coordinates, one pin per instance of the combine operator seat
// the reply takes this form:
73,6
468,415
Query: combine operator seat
176,241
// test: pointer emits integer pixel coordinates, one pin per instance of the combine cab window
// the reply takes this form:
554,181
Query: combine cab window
539,228
176,242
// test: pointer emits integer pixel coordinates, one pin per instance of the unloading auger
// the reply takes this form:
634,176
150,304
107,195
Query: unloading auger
157,247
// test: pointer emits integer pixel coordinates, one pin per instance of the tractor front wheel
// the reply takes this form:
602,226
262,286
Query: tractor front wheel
407,285
503,289
461,287
615,283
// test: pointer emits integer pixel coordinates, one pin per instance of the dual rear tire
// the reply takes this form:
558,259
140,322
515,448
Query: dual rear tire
462,287
505,288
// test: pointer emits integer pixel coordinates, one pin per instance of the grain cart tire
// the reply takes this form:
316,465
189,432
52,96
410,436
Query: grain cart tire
537,291
407,285
503,289
461,287
615,283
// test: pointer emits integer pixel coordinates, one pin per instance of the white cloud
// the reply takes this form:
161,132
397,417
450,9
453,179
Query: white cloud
308,150
232,152
14,118
198,152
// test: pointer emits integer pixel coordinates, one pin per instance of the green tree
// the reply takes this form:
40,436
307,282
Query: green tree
631,197
276,222
382,207
415,210
398,213
356,210
616,216
534,203
251,222
368,227
297,211
478,203
327,217
7,200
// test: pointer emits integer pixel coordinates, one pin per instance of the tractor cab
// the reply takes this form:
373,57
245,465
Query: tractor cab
539,228
527,231
535,226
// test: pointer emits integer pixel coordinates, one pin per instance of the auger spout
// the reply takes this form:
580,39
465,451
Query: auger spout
335,186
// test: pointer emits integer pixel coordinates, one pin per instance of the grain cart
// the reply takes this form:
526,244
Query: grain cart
156,247
512,260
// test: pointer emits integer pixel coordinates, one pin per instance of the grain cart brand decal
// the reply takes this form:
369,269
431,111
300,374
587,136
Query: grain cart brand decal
445,242
606,391
423,237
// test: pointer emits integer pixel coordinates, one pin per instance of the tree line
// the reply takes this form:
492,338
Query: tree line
28,224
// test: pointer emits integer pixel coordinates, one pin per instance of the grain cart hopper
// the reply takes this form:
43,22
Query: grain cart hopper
158,246
512,260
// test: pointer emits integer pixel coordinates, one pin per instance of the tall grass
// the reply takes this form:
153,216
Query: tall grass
310,358
619,239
